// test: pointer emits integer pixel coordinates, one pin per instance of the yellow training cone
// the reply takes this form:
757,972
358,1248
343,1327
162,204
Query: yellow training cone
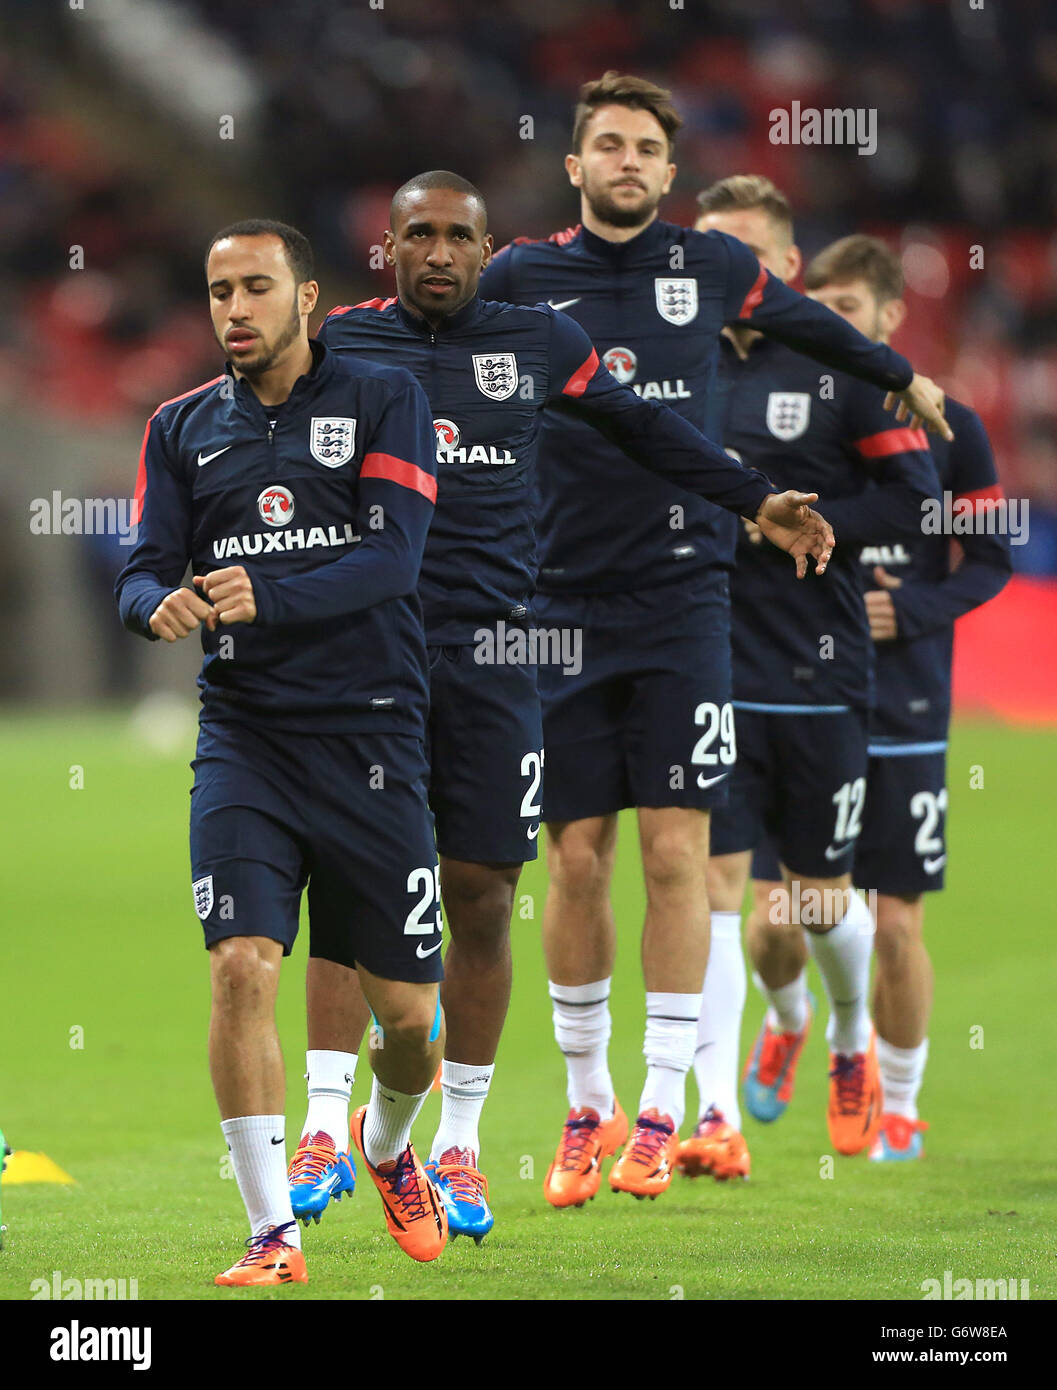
23,1166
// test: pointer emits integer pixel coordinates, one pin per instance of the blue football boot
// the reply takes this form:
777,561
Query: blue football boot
463,1189
770,1072
898,1139
318,1172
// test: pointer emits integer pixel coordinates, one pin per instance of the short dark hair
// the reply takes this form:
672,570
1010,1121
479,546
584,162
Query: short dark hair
616,89
858,257
427,182
296,245
746,192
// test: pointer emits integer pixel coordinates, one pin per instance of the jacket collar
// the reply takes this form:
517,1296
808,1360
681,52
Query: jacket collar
305,387
462,318
652,236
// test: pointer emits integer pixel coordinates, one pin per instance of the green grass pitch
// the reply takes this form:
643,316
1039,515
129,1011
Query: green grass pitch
100,936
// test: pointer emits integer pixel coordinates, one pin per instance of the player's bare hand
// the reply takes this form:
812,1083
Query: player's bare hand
231,595
178,614
880,610
753,532
786,519
920,404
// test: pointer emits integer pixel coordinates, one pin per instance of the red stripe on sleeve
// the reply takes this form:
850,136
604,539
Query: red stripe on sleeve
879,446
396,470
752,299
994,493
577,383
141,477
365,304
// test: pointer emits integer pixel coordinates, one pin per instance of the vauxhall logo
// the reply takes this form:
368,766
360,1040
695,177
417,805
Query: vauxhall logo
623,364
449,449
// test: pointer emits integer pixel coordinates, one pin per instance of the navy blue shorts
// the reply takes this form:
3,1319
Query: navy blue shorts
486,757
902,849
766,866
800,779
647,720
345,814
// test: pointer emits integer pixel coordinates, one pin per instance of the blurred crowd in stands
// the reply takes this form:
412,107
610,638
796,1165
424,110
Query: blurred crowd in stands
354,99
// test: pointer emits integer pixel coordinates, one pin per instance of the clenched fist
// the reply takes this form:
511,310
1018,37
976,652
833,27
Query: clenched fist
178,614
231,595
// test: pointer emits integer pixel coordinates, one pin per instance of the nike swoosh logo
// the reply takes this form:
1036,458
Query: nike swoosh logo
423,954
565,302
277,1141
933,866
832,853
203,459
533,832
704,782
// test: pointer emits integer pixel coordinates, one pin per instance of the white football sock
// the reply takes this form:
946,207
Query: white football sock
257,1144
330,1076
902,1072
843,958
464,1090
719,1027
671,1033
787,1005
582,1027
387,1124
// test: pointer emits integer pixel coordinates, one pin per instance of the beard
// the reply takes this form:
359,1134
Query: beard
271,355
607,210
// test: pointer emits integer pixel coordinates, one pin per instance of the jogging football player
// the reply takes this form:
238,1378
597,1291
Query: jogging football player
300,489
912,605
489,370
648,722
803,668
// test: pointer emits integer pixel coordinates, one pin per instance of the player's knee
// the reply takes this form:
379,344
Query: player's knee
898,930
409,1022
478,901
243,977
672,856
579,863
771,931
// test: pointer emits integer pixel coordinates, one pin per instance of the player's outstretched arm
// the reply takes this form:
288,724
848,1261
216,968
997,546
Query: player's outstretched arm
786,519
758,299
920,404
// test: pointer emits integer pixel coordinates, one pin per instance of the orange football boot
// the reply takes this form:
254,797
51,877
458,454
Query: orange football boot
646,1166
855,1099
574,1176
714,1147
414,1211
268,1260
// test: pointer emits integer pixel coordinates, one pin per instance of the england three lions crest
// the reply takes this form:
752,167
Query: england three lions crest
788,413
333,440
677,300
496,374
202,888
